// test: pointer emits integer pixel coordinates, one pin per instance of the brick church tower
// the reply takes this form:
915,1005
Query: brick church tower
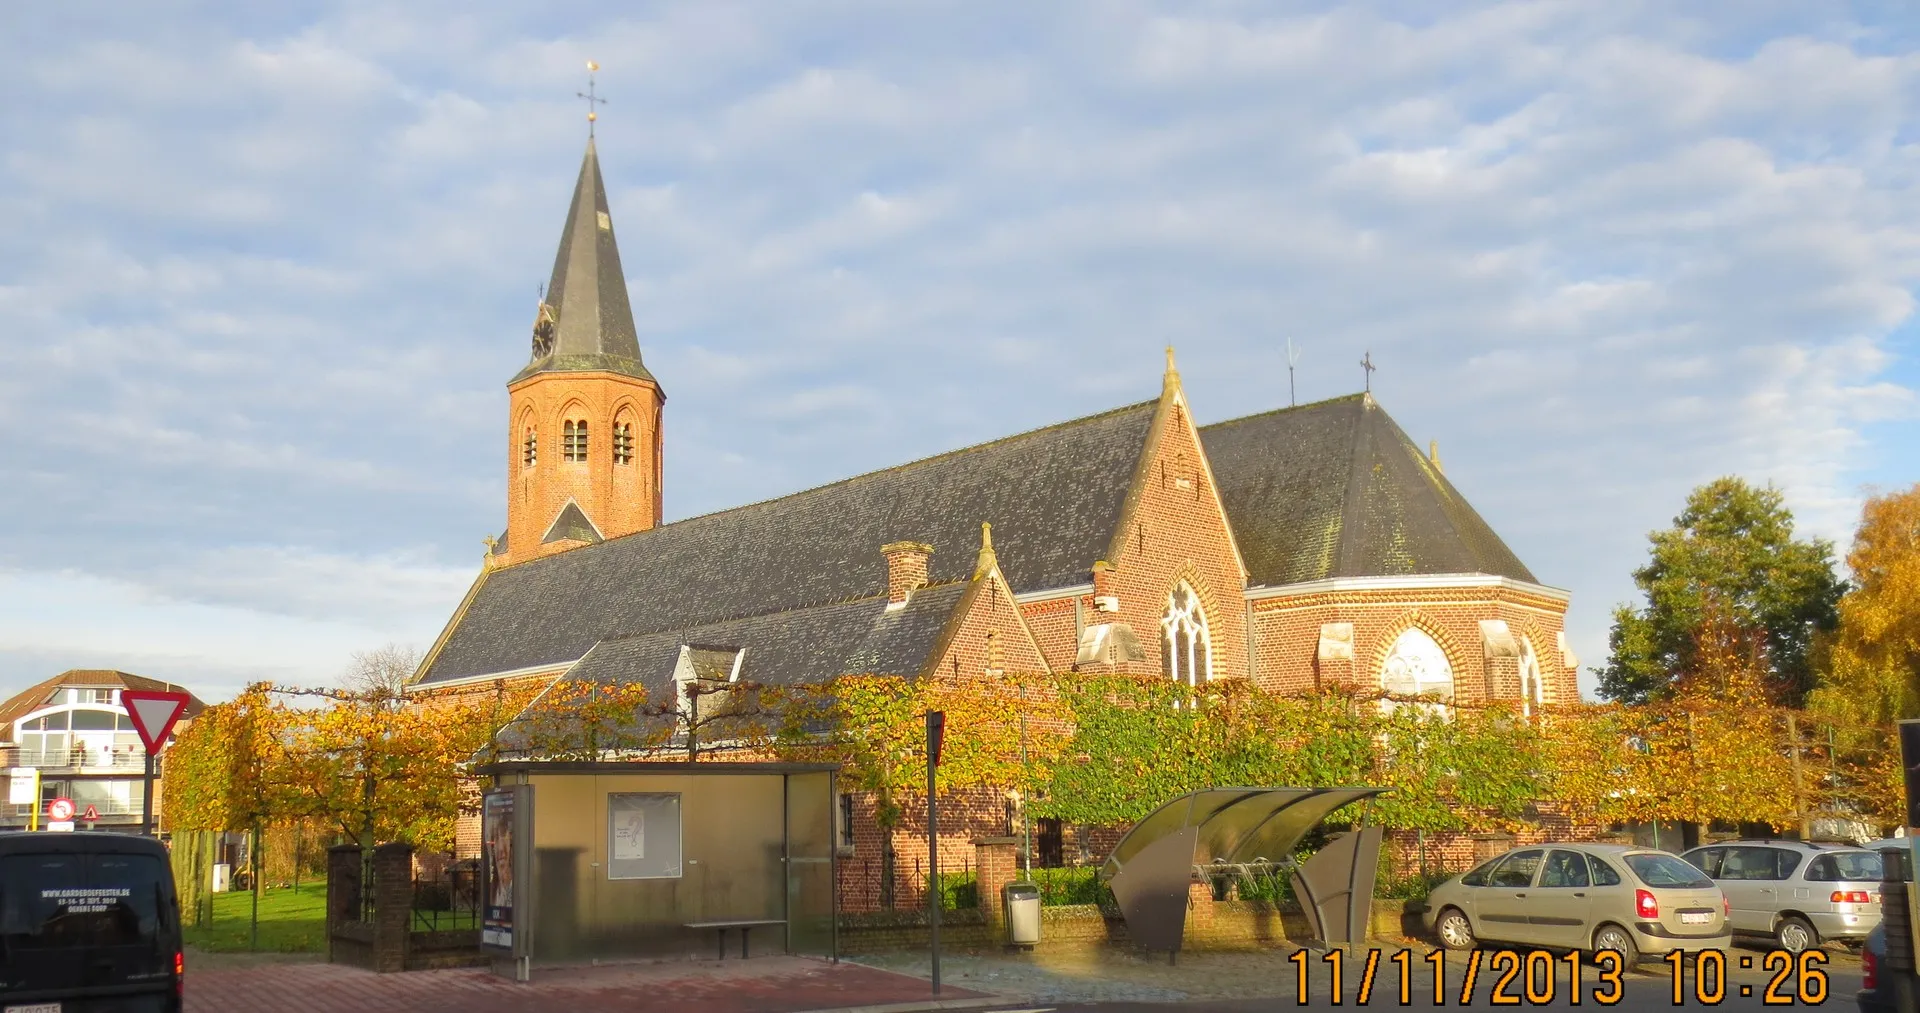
583,438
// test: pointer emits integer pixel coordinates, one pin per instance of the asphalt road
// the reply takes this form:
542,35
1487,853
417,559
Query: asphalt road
1829,986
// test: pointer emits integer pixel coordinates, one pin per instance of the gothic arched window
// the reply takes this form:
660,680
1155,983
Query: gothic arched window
1416,666
1533,694
530,449
573,440
1186,651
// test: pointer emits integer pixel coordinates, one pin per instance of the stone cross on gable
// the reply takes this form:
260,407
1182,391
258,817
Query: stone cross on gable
1366,363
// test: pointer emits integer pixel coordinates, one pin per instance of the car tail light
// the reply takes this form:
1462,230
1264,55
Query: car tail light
1869,969
1644,905
179,973
1726,907
1850,897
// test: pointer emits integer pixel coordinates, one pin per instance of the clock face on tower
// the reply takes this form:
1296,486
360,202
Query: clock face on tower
543,326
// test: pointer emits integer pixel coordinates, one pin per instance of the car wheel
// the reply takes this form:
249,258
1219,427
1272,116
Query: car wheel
1455,932
1795,936
1619,940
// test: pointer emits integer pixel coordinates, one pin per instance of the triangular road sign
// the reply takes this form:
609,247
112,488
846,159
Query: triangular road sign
153,714
91,814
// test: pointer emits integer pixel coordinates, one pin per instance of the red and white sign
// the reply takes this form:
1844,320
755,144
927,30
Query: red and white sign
60,810
153,714
91,814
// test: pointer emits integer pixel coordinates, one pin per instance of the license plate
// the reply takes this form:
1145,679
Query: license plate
38,1007
1695,917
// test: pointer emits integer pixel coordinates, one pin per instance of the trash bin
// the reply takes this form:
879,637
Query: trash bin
1022,906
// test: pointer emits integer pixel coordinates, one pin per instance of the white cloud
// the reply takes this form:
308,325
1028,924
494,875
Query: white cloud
266,275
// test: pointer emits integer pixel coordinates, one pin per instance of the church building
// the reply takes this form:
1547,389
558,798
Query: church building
1300,547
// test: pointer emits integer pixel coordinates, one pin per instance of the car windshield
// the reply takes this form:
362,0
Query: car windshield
1846,866
1665,870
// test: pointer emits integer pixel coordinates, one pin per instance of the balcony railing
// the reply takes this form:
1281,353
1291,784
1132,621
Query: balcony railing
93,759
108,807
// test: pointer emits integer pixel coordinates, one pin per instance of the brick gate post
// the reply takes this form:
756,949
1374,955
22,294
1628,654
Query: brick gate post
392,905
996,858
343,889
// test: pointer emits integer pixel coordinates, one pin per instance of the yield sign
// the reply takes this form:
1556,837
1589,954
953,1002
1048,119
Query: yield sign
153,714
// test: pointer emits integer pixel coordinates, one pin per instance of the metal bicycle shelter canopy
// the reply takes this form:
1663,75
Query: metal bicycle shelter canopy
1152,866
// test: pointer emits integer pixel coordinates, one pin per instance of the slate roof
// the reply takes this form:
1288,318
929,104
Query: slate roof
1336,489
793,648
592,321
1053,495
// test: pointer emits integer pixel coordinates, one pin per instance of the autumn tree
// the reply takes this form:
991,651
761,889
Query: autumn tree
1002,731
1733,545
1873,664
585,720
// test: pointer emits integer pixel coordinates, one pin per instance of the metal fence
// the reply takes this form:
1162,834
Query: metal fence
887,883
449,900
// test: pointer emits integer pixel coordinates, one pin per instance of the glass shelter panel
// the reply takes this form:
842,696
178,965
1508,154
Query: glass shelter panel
810,887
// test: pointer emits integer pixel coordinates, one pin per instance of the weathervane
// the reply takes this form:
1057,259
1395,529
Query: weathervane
1366,363
593,98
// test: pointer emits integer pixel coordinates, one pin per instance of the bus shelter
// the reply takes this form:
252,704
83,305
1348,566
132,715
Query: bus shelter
621,860
1185,839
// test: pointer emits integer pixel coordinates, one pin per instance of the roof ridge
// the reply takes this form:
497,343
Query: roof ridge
1269,413
849,480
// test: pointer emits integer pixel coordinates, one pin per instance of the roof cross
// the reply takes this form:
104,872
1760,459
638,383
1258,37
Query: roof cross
592,98
1366,363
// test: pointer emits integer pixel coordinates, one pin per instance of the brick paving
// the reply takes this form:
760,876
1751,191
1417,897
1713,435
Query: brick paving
761,985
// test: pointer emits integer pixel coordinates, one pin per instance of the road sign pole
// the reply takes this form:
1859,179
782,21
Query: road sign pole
146,800
936,735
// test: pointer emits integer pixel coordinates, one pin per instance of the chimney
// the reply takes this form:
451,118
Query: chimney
1104,598
906,569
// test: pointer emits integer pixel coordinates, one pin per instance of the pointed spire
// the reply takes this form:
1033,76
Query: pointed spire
1171,379
987,561
585,322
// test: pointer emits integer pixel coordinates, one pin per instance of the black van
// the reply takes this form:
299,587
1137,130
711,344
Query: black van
89,923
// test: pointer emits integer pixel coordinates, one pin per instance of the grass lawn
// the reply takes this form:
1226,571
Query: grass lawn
291,921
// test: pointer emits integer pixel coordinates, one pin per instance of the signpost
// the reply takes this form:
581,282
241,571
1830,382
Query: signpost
153,714
60,814
23,788
936,735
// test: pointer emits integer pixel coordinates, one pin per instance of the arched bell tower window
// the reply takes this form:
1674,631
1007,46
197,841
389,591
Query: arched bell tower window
573,440
1417,667
1533,693
530,449
623,442
1186,651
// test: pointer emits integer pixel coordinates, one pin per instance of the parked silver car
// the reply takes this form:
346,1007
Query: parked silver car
1799,894
1582,897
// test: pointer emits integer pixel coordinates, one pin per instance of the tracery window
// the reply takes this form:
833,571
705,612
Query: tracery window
623,443
573,440
1417,666
1533,695
1186,651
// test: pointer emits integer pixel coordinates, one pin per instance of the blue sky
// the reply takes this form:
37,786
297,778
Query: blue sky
265,269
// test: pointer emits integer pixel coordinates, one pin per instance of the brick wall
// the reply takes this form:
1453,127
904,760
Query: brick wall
619,499
1174,531
990,630
1287,631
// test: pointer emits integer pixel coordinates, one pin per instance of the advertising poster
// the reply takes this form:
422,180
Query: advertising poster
497,854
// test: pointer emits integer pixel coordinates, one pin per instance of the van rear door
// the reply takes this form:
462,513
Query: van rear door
99,923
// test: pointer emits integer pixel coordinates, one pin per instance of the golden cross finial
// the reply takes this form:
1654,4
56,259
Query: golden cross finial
592,98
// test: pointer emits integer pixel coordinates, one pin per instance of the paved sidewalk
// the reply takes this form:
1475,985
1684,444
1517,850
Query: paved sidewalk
761,985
